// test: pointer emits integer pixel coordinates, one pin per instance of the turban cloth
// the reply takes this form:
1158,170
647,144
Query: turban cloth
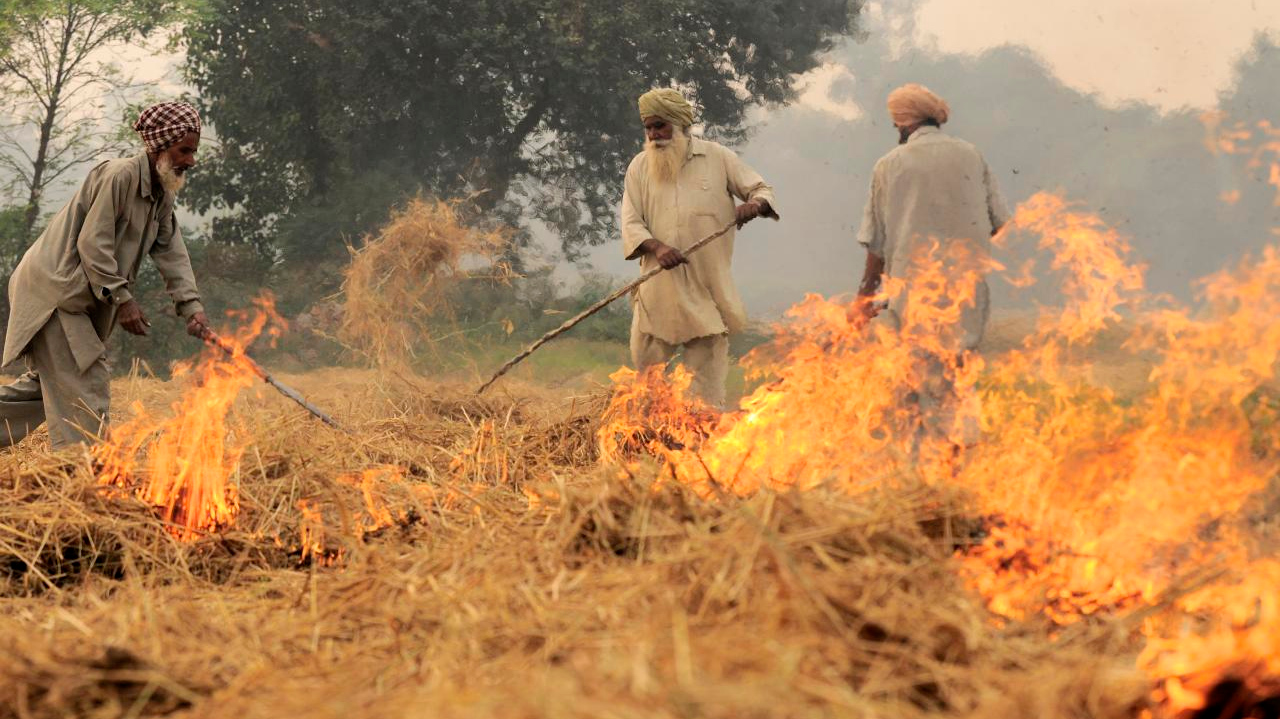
667,104
160,126
913,103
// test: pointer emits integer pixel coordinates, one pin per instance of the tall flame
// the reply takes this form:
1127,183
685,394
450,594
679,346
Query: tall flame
1095,502
184,465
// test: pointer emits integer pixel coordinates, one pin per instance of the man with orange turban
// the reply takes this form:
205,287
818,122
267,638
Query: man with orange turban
913,105
931,188
933,207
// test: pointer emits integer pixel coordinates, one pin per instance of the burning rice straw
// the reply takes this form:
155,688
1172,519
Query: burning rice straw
451,595
397,284
191,457
826,550
1094,508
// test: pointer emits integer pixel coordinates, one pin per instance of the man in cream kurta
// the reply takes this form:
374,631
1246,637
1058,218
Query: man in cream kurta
677,191
73,284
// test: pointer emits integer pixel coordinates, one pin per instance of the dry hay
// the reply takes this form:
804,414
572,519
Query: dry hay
459,557
396,286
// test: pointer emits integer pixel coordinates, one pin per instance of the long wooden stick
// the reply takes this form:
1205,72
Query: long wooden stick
213,340
597,307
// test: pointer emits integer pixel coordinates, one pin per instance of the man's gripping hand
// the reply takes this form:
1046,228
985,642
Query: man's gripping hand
862,311
749,211
131,318
665,254
198,325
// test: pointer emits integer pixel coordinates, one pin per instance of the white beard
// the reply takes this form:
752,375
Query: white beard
170,180
666,157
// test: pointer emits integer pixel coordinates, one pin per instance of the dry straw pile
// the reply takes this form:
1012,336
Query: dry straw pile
463,557
395,290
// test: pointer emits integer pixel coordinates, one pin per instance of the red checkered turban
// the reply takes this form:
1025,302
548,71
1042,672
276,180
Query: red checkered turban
162,125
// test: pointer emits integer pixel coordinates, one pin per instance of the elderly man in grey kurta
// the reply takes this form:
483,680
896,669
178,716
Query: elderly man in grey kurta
677,191
931,188
72,286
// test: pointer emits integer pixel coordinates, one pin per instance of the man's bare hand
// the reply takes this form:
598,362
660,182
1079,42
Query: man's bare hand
862,311
197,325
665,254
748,211
131,318
668,256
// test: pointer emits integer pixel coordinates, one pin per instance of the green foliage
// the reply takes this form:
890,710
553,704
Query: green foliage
329,111
6,32
12,223
11,232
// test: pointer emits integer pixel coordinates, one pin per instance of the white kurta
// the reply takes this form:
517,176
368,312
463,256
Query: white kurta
697,299
933,187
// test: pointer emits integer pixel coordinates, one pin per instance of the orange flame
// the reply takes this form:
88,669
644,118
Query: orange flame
373,483
1094,503
383,489
191,457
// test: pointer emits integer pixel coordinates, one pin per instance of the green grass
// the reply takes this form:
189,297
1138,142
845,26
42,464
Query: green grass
564,363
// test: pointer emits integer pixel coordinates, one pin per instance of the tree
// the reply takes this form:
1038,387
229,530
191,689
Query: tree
328,111
57,72
1250,105
6,29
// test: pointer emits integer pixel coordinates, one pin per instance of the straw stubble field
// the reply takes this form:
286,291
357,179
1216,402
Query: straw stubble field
1107,549
503,570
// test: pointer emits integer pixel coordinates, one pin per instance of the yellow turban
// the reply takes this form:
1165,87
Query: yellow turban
667,104
914,103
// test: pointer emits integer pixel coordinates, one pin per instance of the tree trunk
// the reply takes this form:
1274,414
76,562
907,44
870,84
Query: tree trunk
47,127
37,173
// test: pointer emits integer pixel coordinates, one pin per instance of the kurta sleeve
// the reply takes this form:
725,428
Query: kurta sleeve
872,234
96,242
634,229
169,253
996,207
745,183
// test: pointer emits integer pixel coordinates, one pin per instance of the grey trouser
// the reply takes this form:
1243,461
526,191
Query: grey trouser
942,412
74,403
706,358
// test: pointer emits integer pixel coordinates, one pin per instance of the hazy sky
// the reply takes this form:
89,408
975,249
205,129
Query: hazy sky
1169,53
